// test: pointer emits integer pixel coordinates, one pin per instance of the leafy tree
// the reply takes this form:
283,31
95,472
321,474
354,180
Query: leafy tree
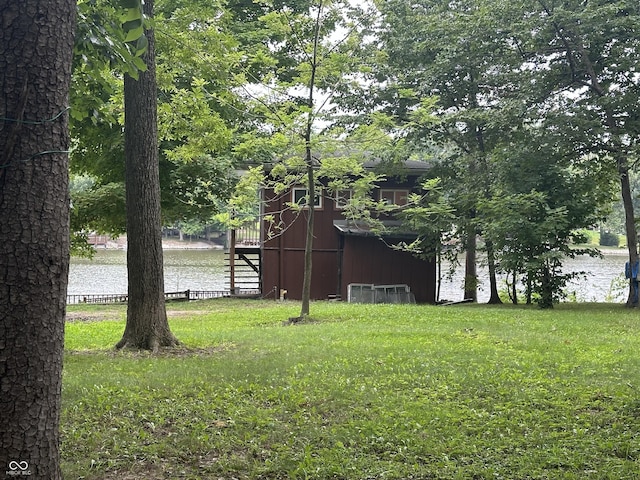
147,326
499,69
294,108
534,217
96,107
584,56
457,53
196,108
36,41
267,51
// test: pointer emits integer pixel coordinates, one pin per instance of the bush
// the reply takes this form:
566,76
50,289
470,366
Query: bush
608,239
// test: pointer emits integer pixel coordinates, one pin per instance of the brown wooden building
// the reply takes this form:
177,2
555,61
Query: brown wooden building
343,252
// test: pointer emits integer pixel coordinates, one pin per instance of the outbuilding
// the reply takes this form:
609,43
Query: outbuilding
344,252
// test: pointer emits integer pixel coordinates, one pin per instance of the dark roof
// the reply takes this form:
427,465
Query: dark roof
361,229
405,167
408,167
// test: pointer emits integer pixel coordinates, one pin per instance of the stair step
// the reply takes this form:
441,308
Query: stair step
245,262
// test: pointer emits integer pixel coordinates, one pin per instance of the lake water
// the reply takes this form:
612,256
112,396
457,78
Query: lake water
106,273
599,284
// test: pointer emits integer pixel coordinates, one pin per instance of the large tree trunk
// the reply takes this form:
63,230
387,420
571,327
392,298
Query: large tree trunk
147,326
36,44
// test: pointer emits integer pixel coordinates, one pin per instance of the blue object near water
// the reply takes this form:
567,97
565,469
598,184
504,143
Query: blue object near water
630,271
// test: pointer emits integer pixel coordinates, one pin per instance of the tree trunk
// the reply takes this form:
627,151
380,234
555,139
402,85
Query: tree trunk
546,286
470,269
529,293
514,290
147,326
494,297
438,269
308,246
36,44
630,226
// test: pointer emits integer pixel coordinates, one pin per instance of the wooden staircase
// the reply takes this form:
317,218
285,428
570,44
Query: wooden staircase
243,262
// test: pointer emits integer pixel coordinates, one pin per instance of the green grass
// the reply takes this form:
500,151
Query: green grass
365,392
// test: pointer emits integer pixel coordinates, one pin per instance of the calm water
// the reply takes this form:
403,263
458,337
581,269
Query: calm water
597,285
106,273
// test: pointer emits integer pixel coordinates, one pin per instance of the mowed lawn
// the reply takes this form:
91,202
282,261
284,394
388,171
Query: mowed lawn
363,392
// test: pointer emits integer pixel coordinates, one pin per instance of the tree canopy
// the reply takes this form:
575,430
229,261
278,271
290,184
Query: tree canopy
519,106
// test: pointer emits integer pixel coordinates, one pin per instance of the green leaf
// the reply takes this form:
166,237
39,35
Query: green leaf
135,34
142,45
132,25
139,64
132,15
131,4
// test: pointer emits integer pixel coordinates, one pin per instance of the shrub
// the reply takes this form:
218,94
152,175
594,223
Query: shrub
608,239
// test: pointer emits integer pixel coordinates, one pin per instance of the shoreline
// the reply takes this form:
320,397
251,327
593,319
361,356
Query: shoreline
621,251
120,243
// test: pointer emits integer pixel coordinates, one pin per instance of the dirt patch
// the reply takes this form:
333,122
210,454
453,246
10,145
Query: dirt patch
184,313
91,316
304,320
180,351
168,468
111,315
148,470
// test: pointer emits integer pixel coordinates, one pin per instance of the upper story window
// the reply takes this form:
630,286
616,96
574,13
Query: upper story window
342,198
299,196
394,197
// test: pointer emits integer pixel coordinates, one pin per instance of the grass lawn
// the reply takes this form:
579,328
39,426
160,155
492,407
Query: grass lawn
365,392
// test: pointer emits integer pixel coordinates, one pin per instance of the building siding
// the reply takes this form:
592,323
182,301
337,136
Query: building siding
369,260
337,260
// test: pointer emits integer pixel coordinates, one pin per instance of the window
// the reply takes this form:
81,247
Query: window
299,196
394,197
342,198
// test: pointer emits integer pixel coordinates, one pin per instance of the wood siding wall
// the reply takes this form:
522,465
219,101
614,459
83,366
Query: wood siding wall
337,261
369,260
283,255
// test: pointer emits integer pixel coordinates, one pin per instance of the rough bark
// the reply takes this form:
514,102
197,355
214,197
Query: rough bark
470,268
147,326
36,43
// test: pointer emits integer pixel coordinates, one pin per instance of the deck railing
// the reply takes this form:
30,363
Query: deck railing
248,235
